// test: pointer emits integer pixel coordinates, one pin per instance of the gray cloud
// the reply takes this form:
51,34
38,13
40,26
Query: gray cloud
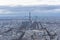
35,10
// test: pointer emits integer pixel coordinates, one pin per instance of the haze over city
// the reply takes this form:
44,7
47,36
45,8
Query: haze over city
29,19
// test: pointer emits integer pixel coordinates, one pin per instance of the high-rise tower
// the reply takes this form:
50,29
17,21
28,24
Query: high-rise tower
30,17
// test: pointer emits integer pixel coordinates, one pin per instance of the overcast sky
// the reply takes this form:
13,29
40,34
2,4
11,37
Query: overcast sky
41,6
29,2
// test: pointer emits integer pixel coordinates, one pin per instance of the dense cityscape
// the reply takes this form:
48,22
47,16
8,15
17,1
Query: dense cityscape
29,19
30,29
